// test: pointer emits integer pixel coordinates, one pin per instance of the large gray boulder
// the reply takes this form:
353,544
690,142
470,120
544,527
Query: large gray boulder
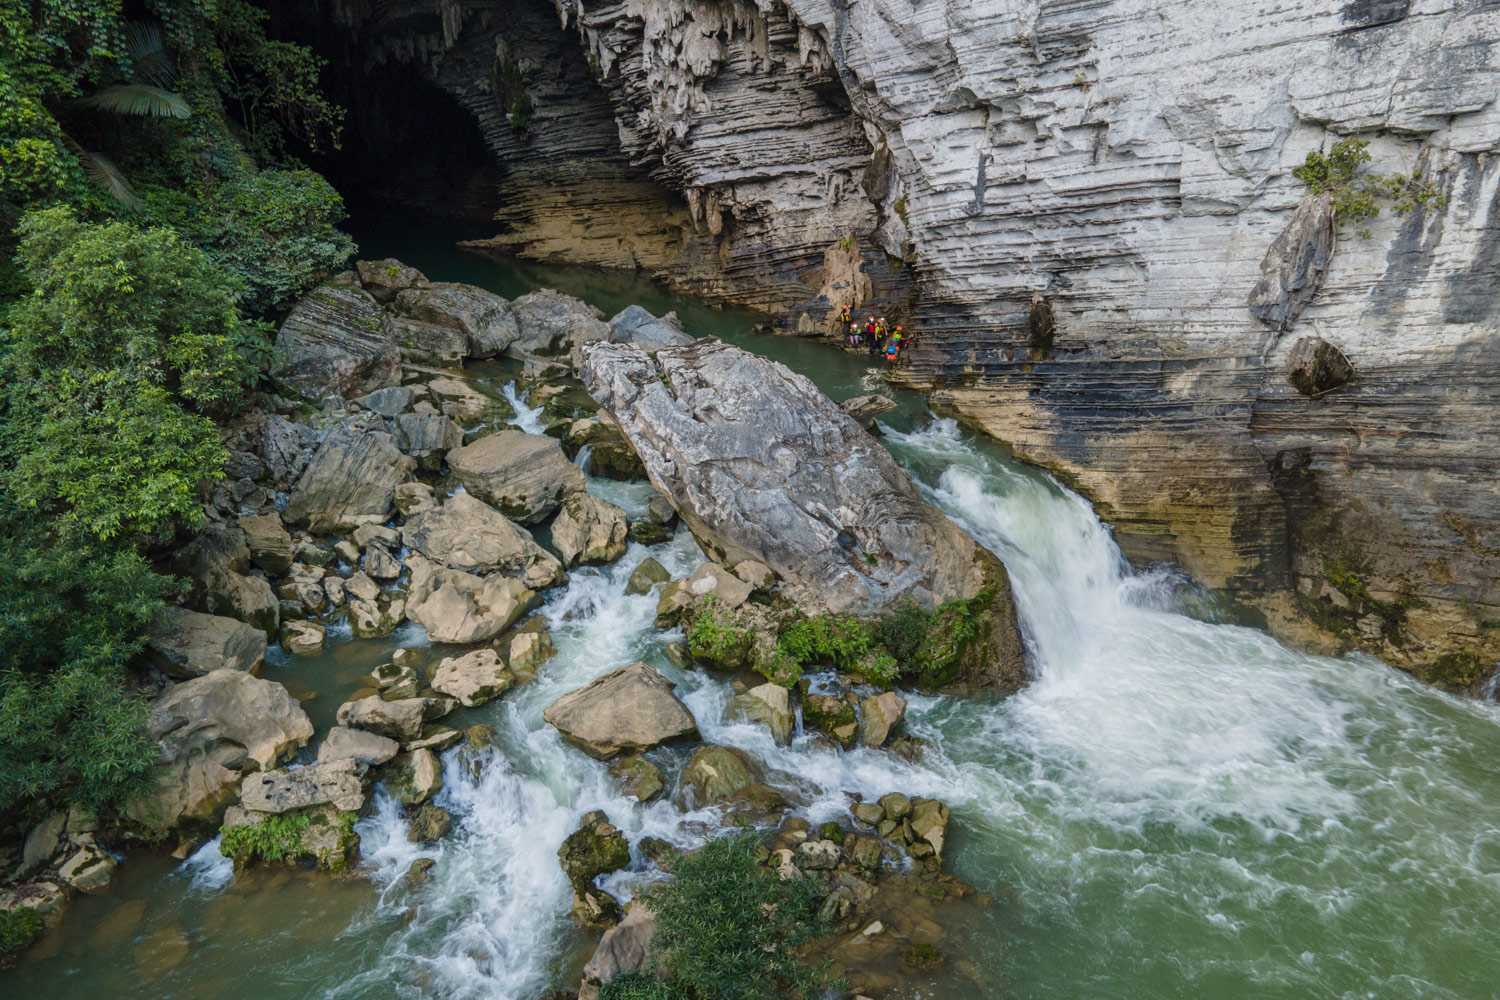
589,530
210,731
384,279
467,534
269,543
474,679
460,607
525,475
635,325
217,567
188,644
623,711
361,746
763,466
336,340
624,949
427,437
552,323
351,480
482,319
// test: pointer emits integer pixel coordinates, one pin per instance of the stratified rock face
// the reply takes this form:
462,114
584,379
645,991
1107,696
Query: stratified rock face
350,480
336,340
763,466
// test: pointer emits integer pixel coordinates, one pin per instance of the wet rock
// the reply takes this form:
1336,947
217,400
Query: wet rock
638,777
414,777
529,648
378,617
708,580
868,813
589,530
302,638
596,848
419,871
429,824
396,681
269,543
929,821
865,851
360,587
865,410
716,774
462,608
347,551
435,738
336,340
208,730
217,565
832,716
761,465
645,576
895,806
625,710
624,949
336,783
878,717
327,840
350,480
400,719
475,678
525,475
365,749
1316,367
187,644
333,591
88,869
769,704
383,279
414,498
467,534
483,319
610,455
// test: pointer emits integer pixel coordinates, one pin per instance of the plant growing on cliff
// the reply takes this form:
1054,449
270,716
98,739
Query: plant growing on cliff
1356,191
728,929
275,838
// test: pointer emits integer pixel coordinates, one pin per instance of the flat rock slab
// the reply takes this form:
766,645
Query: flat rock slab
625,710
336,783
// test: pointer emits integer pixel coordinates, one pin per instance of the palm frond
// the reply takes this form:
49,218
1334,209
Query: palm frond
150,60
102,171
138,99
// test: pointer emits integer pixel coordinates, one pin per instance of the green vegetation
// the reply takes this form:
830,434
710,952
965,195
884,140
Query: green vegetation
154,223
1356,191
729,929
840,641
18,929
715,639
275,838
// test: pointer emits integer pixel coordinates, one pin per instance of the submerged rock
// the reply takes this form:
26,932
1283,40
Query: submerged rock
638,777
769,704
645,576
716,774
763,466
625,710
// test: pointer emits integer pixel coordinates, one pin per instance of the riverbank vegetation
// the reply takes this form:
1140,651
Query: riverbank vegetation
155,222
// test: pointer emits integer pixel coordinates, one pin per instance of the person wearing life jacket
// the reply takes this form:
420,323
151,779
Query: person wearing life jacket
872,342
893,346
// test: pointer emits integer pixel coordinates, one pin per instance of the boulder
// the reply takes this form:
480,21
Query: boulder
467,534
769,704
832,716
460,607
389,402
551,323
414,498
596,848
42,843
761,465
350,480
217,564
483,319
624,949
716,774
610,455
269,543
285,447
635,325
379,564
302,638
929,821
414,777
529,648
396,680
88,869
625,710
818,855
435,738
336,783
336,340
525,475
708,580
372,619
645,576
475,678
327,840
427,437
398,719
429,824
589,530
865,410
209,730
361,588
364,748
1293,268
638,777
878,717
658,524
187,644
1316,367
383,279
428,343
464,403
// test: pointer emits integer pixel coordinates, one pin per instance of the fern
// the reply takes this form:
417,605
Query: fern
138,100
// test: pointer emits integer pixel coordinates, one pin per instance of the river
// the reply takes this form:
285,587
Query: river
1174,808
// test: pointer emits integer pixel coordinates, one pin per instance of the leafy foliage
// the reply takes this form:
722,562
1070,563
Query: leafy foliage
1343,173
728,929
18,928
714,638
840,641
275,838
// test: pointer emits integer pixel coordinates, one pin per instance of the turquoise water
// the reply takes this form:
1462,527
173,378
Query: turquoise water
1174,808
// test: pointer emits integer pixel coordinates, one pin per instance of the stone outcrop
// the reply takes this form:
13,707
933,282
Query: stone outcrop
461,607
763,466
474,679
625,710
336,340
467,534
589,530
525,475
210,730
189,644
351,480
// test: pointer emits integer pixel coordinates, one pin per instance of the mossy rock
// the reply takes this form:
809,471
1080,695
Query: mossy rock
596,848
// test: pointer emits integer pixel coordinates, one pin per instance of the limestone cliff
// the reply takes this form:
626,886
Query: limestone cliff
1076,197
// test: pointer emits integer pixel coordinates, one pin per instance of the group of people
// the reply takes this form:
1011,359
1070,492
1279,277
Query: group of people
880,340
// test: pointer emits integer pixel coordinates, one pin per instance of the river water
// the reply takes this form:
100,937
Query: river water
1174,808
